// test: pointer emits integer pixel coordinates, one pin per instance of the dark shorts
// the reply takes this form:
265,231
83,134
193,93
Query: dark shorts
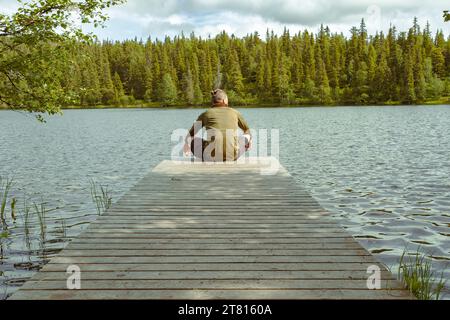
200,142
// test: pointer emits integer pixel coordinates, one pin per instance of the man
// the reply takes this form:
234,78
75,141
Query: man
221,123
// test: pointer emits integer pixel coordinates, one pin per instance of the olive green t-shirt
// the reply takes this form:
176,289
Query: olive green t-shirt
223,119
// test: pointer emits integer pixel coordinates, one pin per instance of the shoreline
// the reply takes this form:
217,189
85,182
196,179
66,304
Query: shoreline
442,102
156,105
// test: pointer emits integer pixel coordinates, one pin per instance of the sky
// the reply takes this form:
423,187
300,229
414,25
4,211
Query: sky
158,18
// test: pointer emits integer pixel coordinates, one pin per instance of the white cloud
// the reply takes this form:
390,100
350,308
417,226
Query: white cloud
156,18
209,17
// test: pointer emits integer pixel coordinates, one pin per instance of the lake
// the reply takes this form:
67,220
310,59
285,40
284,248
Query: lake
384,172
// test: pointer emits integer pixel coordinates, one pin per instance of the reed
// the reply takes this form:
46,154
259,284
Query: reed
101,197
41,213
26,218
13,209
5,188
63,228
417,275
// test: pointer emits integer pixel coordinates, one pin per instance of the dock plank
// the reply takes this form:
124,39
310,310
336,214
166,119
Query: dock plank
214,231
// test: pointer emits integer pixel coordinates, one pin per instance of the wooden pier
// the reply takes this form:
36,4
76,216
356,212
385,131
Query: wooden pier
214,231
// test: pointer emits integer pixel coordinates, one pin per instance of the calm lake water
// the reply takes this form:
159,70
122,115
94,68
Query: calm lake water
382,171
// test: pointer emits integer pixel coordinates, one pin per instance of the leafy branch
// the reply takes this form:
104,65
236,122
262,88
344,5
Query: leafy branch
35,43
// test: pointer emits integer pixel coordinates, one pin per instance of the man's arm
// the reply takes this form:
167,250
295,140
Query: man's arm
245,127
191,134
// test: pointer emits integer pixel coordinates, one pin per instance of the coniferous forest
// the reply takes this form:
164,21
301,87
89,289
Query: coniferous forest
325,68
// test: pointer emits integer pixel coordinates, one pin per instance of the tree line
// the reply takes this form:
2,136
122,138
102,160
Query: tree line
304,68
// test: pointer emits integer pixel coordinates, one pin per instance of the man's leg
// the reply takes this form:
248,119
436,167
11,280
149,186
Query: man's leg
243,142
197,147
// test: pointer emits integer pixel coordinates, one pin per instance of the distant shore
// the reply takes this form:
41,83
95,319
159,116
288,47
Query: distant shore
443,101
154,105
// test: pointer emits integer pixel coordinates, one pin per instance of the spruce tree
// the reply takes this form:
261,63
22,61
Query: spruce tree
168,91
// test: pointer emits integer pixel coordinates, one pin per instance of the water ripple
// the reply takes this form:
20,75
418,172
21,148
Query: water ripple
382,171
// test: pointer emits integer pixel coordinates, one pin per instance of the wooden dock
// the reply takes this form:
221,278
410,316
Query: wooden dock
214,231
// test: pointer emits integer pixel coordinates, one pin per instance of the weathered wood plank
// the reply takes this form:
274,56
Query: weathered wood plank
211,275
163,227
202,231
199,242
235,284
178,235
205,246
213,259
202,221
145,212
232,266
210,252
195,294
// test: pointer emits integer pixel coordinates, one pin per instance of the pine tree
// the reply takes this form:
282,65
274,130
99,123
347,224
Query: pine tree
381,82
324,91
410,91
168,90
118,89
260,73
371,71
235,80
324,67
90,84
188,87
267,80
286,91
438,62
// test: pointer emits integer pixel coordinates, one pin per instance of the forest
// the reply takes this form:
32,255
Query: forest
304,68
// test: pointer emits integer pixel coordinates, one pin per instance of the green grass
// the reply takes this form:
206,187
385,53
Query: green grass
417,275
442,100
100,197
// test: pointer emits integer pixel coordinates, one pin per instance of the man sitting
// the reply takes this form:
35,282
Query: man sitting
221,123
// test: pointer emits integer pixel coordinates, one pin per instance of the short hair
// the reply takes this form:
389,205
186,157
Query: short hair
218,95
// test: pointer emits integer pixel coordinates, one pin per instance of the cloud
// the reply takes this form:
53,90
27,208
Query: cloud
304,12
157,18
208,17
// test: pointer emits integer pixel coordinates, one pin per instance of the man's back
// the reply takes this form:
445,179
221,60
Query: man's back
221,123
223,119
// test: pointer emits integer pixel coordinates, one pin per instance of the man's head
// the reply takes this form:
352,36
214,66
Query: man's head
219,98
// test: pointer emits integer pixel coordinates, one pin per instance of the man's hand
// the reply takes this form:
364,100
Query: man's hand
248,140
187,149
248,146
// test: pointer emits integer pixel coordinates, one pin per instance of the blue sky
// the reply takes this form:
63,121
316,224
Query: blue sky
157,18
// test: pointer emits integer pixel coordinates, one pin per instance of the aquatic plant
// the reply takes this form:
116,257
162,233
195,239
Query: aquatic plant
41,212
100,197
5,188
63,228
13,209
417,275
26,218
